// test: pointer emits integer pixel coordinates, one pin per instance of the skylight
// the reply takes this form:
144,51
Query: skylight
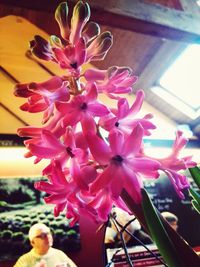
180,84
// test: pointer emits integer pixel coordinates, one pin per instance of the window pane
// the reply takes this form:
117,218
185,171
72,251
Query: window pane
182,79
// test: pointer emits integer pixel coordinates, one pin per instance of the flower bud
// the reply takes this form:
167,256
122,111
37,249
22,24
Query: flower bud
61,16
80,17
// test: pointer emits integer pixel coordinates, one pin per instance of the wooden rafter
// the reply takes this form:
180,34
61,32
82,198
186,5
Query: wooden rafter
13,114
132,15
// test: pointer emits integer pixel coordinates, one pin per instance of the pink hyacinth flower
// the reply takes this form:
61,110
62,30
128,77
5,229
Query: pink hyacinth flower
124,168
53,125
82,40
71,57
124,119
80,16
103,202
42,96
115,80
65,189
172,164
83,108
47,146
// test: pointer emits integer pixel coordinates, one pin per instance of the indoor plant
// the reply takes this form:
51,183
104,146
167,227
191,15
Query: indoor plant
96,153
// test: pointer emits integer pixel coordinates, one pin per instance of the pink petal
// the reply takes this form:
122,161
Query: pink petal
103,179
116,140
63,107
117,186
92,93
50,85
76,174
93,75
21,90
42,152
179,143
80,52
72,118
50,140
29,131
107,122
138,102
123,108
144,165
58,176
132,185
59,208
47,187
88,124
133,142
98,109
122,90
99,149
56,199
105,208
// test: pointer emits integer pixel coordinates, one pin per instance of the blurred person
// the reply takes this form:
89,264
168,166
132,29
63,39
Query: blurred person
171,218
112,236
42,253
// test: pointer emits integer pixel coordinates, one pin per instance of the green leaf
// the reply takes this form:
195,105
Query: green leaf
196,199
195,173
194,195
158,233
196,206
185,251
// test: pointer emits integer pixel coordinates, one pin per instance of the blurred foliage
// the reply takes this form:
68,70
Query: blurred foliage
19,190
195,173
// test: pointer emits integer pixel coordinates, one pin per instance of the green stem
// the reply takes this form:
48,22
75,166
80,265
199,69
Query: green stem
74,86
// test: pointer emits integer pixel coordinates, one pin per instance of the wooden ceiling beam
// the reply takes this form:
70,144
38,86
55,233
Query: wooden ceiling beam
136,16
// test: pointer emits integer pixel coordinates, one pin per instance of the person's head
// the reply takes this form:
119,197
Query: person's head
40,238
171,218
124,217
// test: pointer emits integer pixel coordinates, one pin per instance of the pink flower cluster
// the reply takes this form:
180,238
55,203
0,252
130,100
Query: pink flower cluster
94,151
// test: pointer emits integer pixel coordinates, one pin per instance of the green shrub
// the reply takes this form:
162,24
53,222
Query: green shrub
71,232
64,226
18,236
54,225
50,217
25,228
34,221
59,233
26,220
33,214
42,216
47,212
3,204
23,215
7,234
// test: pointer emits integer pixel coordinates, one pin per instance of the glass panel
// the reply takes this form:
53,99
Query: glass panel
182,79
